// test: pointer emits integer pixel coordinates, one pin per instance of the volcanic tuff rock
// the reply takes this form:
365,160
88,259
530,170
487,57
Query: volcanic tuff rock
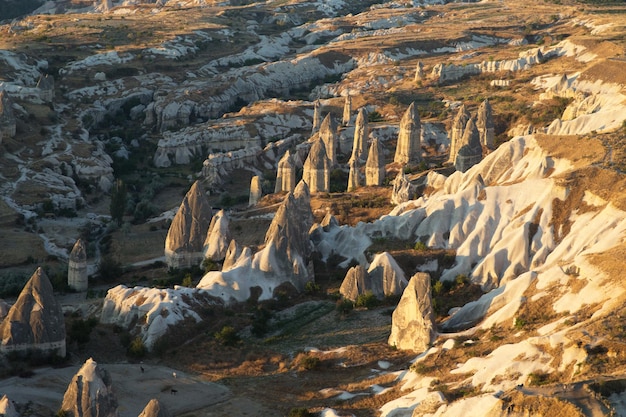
354,177
458,127
7,408
7,118
317,116
408,149
354,283
403,190
375,165
470,150
155,408
328,134
413,320
232,255
35,322
218,237
256,192
316,169
46,87
383,278
186,235
285,174
361,132
347,111
419,71
484,124
77,277
90,393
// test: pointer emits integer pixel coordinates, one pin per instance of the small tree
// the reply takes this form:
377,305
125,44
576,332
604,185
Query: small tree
137,349
227,336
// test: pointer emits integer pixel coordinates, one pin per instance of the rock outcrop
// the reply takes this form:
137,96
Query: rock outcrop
35,323
232,255
317,116
419,71
456,134
383,278
403,190
90,393
347,111
316,169
375,165
409,149
155,408
485,126
77,277
285,174
185,238
355,283
256,192
218,237
7,118
7,407
354,177
470,150
45,84
413,320
361,132
328,134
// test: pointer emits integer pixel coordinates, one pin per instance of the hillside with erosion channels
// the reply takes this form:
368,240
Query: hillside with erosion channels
312,208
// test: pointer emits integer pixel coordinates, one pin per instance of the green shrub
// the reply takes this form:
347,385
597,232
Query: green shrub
367,300
227,336
299,412
311,288
344,306
420,246
137,349
309,363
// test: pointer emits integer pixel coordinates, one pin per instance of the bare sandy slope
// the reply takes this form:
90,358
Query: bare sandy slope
132,387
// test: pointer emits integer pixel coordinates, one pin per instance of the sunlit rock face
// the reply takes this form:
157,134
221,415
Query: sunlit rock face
408,149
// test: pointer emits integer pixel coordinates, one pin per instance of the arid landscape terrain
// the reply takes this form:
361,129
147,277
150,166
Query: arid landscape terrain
497,246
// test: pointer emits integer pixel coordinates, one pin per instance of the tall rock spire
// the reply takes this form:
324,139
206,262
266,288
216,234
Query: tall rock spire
256,191
218,237
90,393
328,134
375,165
470,151
7,118
285,174
354,180
316,169
456,134
77,268
361,132
347,111
35,322
317,115
419,71
485,126
409,149
185,238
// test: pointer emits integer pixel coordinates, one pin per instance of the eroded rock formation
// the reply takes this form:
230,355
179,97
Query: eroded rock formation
347,111
485,126
408,149
470,151
413,320
328,134
361,132
316,169
285,174
375,165
354,283
77,277
383,278
354,177
456,134
7,118
218,237
7,407
256,192
155,408
35,322
90,393
185,238
317,116
419,71
403,190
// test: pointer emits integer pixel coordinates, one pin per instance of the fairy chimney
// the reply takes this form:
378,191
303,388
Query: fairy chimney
347,111
317,116
470,151
328,134
285,174
77,268
361,132
456,134
408,149
256,192
316,169
354,180
185,238
375,165
218,237
485,126
155,408
419,71
90,393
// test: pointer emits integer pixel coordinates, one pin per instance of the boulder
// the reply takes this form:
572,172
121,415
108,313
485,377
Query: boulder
256,192
386,277
35,322
285,174
316,169
361,132
375,165
90,393
470,150
77,276
456,134
347,111
328,134
185,238
218,237
409,149
413,320
155,408
485,125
